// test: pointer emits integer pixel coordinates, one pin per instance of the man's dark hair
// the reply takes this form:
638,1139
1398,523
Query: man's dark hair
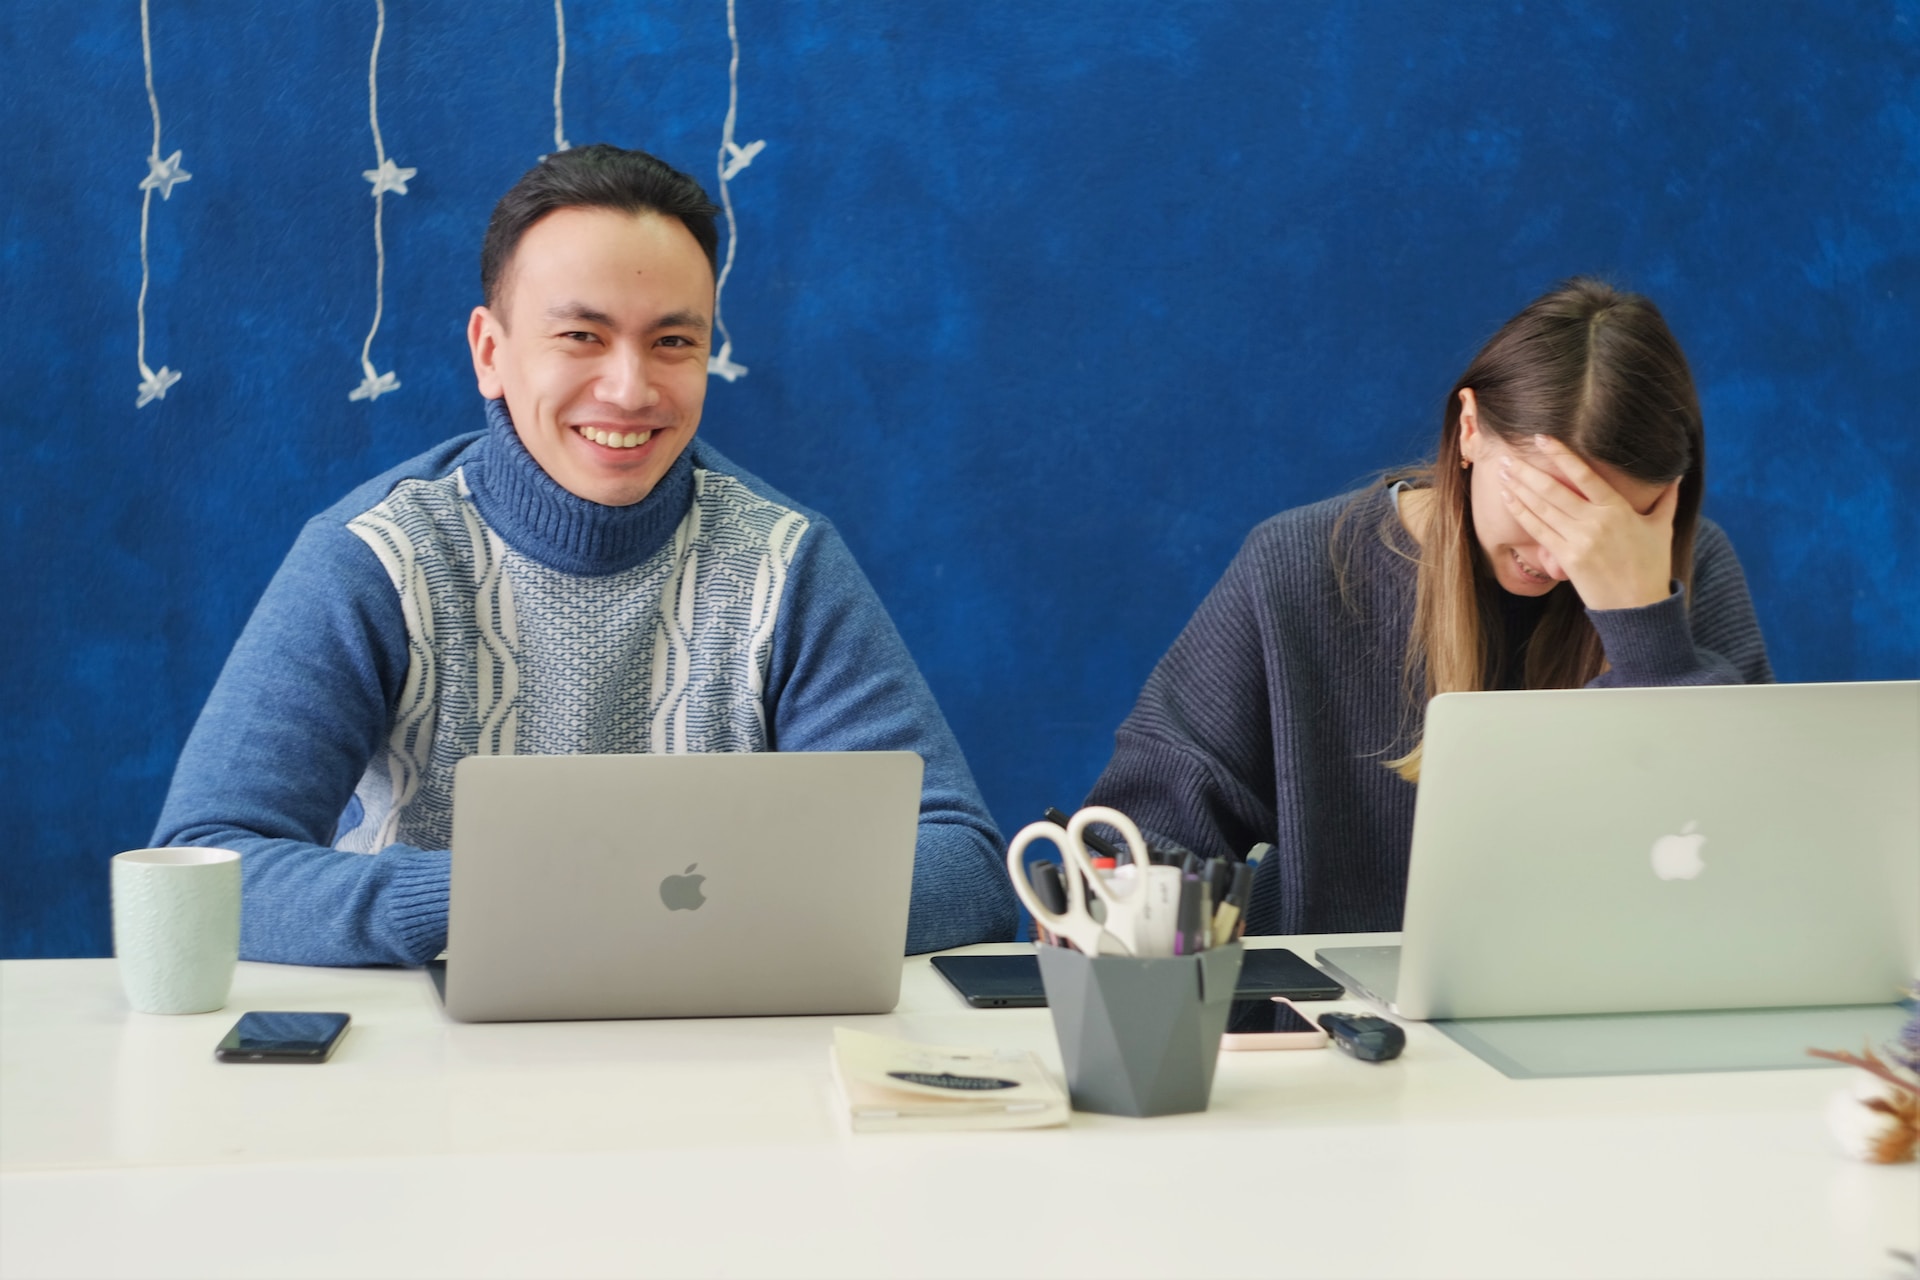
594,177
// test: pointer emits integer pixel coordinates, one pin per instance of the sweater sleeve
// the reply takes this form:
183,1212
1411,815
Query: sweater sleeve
1715,641
1193,762
299,710
841,679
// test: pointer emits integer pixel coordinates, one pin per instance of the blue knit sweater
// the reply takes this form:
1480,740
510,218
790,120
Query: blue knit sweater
1269,718
465,603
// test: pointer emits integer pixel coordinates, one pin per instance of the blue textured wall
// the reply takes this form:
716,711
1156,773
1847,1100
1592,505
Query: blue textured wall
1046,304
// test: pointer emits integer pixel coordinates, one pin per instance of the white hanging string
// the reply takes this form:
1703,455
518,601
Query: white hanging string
732,160
560,142
385,176
161,177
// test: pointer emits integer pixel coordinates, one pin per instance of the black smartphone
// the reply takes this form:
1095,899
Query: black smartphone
995,982
1013,982
283,1037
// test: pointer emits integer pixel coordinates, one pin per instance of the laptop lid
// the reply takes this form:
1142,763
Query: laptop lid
657,886
1634,850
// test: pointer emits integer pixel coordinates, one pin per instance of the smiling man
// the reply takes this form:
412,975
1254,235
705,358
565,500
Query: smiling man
581,576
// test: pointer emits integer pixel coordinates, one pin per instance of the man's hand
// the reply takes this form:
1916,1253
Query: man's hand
1617,557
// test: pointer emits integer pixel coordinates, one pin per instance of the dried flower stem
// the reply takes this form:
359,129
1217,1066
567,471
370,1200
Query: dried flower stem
1871,1064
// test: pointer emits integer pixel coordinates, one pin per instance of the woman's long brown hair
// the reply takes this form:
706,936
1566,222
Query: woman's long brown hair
1598,370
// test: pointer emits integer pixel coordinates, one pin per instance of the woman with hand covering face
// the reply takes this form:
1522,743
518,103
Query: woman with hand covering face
1555,542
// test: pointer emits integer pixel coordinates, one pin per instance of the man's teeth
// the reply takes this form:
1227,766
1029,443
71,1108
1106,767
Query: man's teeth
616,439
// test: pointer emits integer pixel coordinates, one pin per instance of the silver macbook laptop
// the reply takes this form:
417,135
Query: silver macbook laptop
670,886
1636,850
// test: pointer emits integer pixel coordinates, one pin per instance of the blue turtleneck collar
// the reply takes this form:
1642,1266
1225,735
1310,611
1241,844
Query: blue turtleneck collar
559,529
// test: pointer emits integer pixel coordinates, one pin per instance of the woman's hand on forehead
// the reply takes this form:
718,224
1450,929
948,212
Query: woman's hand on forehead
1596,482
1617,555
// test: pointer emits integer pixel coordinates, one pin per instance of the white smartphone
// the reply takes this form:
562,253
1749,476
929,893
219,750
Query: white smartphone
1270,1022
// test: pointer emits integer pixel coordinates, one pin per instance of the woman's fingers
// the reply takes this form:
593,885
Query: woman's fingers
1590,484
1615,556
1525,516
1542,494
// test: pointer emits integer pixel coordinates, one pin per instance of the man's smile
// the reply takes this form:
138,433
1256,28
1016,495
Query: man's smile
615,439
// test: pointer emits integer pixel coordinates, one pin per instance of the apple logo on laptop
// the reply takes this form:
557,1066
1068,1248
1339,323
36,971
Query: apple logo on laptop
1678,857
682,892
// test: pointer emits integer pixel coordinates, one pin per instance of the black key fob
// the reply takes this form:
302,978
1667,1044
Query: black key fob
1364,1036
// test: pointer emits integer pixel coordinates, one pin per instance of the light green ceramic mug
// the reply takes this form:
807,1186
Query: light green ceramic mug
176,927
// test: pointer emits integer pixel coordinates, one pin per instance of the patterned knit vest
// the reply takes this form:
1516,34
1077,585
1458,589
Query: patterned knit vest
506,655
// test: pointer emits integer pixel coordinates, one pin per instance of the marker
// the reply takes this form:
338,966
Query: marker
1231,917
1242,894
1050,886
1220,880
1187,932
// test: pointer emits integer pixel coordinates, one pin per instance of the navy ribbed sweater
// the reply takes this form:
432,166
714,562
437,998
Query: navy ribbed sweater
1269,718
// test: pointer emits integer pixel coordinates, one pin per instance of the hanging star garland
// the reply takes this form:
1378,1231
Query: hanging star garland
162,176
385,176
374,385
732,159
388,177
738,158
154,384
560,142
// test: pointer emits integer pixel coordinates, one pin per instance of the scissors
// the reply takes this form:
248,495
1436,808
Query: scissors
1122,934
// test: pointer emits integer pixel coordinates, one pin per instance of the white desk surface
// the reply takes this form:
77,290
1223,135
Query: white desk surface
684,1148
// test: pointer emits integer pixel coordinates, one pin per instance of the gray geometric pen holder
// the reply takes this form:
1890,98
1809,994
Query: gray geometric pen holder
1139,1037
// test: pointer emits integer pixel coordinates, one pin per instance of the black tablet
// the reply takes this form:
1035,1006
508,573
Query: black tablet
1013,982
1276,971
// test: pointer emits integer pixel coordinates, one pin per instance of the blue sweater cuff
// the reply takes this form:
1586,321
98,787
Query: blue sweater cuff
1650,643
416,901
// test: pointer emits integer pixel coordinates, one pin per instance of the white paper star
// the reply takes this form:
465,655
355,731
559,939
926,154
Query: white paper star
154,385
375,385
739,158
388,177
722,364
162,174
